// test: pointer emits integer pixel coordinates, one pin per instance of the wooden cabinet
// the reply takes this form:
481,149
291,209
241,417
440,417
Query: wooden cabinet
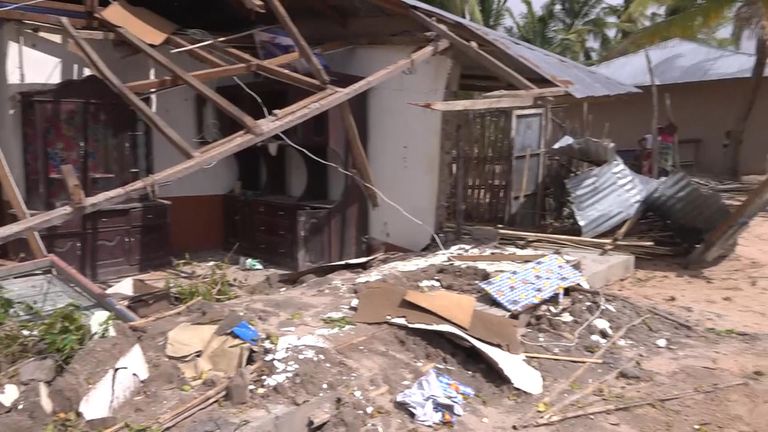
113,242
291,235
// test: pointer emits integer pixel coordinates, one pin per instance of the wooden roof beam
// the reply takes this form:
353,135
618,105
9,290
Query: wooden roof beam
102,70
472,51
477,104
217,151
218,100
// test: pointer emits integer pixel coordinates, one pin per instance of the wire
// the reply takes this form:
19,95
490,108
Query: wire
20,5
342,170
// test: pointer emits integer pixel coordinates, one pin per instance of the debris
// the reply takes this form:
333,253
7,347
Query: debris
101,324
598,339
627,405
381,301
116,387
533,283
661,343
630,373
513,366
237,388
37,370
44,395
250,264
435,399
430,283
246,332
187,339
604,326
326,269
456,308
9,395
563,358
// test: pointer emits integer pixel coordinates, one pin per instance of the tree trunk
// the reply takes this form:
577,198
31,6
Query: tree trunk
737,133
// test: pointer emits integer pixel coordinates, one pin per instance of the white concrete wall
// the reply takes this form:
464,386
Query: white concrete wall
42,62
403,141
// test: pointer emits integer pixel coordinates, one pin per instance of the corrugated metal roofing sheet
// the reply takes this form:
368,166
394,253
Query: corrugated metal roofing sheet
679,200
604,197
579,80
679,61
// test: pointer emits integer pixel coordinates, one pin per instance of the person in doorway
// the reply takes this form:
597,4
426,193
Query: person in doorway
667,135
646,155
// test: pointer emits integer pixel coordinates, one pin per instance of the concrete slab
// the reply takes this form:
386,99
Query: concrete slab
602,270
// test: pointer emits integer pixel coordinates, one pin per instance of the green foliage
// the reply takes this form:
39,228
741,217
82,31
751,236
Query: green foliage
65,422
212,286
338,322
63,333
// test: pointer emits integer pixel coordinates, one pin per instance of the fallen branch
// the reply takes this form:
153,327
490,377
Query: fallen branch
142,322
598,355
627,405
563,358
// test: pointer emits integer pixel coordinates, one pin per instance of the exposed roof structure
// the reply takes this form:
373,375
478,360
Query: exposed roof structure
679,61
577,79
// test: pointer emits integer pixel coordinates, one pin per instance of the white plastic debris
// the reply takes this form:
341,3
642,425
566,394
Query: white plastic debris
565,317
662,343
100,323
9,395
117,386
369,410
603,325
368,278
430,283
598,339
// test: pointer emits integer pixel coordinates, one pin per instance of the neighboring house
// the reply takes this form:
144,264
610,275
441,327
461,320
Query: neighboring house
273,201
706,88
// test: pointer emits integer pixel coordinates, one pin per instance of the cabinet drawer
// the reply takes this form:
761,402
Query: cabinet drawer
150,214
108,219
270,210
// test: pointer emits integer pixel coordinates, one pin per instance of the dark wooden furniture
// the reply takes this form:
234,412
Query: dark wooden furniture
290,210
84,124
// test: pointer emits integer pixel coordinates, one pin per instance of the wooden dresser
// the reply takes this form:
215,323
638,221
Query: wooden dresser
114,242
285,234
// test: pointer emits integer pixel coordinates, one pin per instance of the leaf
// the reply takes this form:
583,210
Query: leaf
543,407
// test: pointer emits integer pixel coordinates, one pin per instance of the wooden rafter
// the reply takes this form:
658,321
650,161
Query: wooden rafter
217,151
98,65
541,92
13,195
477,104
200,54
276,72
301,44
491,64
218,100
359,158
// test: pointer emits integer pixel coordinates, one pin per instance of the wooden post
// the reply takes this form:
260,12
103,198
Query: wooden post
222,103
13,195
221,149
654,116
359,159
460,180
98,65
524,184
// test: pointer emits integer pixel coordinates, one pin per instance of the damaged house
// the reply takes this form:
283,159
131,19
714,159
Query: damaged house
238,126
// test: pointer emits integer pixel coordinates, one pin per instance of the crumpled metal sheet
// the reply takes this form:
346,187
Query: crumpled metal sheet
604,197
589,150
679,200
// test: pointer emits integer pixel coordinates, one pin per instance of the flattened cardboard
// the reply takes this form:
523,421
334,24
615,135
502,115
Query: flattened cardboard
496,258
187,339
456,308
380,300
142,23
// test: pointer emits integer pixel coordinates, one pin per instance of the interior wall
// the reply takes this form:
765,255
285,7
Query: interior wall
703,110
403,140
38,61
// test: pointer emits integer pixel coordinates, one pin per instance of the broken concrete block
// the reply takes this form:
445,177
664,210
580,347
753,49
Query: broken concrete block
43,370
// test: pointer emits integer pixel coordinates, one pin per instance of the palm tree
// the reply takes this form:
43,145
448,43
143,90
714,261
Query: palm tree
532,26
689,18
578,26
490,13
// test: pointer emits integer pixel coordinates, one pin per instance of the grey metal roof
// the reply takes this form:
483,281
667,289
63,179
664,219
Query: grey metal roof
680,201
604,197
679,61
577,79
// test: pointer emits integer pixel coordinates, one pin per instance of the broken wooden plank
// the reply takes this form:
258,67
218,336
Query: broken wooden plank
221,149
13,195
536,93
18,15
301,44
201,55
497,258
315,98
218,100
76,193
491,64
357,150
101,69
476,104
276,72
202,75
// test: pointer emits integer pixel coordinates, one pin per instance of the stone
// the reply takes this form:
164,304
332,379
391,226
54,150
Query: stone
483,235
630,373
43,370
237,389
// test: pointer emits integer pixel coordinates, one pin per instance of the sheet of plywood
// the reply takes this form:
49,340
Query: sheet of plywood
148,26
